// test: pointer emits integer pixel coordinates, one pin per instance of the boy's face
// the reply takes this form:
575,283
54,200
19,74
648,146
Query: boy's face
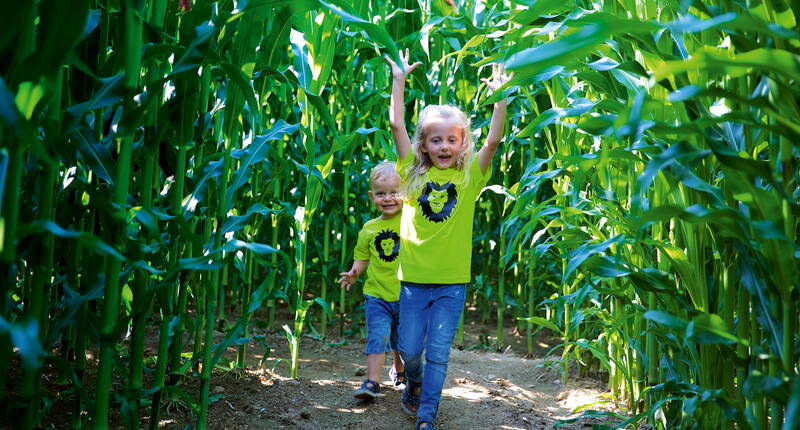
444,141
385,194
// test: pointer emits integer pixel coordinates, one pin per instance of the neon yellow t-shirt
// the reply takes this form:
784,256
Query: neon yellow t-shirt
436,229
379,243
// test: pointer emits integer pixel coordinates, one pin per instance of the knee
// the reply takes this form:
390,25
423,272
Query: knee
410,356
437,354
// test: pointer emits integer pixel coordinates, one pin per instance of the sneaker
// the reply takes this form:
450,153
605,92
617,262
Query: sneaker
428,426
369,390
410,399
399,378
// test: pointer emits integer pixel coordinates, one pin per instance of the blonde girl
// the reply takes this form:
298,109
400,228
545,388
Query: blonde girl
442,177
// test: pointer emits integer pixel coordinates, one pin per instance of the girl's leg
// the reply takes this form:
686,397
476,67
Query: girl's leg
375,366
414,301
398,363
445,311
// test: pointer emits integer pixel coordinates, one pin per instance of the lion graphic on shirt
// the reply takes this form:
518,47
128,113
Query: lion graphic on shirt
387,243
437,201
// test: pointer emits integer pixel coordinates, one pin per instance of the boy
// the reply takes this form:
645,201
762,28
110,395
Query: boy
377,250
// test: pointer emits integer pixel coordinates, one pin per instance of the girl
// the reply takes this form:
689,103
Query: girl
441,181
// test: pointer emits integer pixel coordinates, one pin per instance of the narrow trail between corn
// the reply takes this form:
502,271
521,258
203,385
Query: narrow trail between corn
483,390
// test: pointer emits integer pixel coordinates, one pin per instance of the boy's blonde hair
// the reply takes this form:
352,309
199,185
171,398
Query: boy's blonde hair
415,173
384,169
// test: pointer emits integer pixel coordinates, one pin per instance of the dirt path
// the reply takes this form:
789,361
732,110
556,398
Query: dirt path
483,390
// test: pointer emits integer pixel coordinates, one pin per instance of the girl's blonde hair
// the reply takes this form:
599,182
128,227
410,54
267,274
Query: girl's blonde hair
415,173
385,169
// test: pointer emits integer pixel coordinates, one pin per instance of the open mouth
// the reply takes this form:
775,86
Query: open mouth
445,158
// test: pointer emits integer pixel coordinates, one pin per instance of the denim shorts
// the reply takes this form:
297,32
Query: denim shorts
382,320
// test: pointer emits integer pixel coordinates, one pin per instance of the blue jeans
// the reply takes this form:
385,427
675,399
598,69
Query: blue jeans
429,315
382,320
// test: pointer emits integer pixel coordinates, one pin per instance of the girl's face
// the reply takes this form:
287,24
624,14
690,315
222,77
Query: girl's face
443,142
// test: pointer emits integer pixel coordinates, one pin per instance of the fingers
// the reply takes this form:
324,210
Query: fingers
391,62
411,68
403,58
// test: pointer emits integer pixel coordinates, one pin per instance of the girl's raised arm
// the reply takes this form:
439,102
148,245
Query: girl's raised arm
397,106
495,135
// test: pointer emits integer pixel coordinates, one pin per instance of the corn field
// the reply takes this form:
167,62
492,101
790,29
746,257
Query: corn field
170,165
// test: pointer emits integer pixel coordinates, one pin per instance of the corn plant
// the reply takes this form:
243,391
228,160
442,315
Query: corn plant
198,167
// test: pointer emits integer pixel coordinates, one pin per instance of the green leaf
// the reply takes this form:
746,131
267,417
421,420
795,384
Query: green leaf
563,50
711,329
25,338
374,32
13,19
718,63
258,248
538,8
255,153
666,319
542,322
243,83
87,239
586,250
61,26
111,91
95,154
196,52
236,223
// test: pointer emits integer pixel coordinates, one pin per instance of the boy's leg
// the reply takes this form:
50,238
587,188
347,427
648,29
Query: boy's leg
448,303
379,323
411,331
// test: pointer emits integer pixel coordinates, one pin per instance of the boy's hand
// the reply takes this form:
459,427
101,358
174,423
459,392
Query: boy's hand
401,73
348,278
499,77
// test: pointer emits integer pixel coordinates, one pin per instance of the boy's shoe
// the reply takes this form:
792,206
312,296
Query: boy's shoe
410,399
399,378
429,426
369,390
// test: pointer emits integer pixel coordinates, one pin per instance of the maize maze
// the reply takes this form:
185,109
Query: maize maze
170,164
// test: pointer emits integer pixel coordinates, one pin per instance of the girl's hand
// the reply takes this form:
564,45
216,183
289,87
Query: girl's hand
348,278
499,77
401,73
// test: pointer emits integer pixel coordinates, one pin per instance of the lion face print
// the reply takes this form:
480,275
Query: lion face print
437,201
387,244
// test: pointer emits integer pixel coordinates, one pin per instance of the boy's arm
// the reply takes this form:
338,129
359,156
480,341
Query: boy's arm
397,105
349,278
497,124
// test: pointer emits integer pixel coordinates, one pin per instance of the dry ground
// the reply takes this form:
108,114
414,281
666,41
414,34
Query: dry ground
483,390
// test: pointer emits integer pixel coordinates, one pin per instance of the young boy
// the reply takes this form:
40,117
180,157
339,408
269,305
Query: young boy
377,251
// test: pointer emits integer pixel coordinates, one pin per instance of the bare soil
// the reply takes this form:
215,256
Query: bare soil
483,390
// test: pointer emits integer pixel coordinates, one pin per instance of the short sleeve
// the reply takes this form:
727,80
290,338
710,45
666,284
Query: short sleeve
477,178
402,167
361,251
